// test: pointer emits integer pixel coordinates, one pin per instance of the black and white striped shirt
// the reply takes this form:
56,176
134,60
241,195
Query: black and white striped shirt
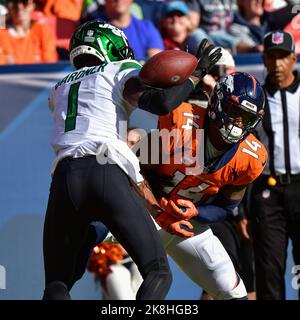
280,129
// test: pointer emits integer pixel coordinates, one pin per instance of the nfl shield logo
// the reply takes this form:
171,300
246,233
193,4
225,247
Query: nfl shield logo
90,33
277,38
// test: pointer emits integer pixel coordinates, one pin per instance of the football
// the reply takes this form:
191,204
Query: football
168,68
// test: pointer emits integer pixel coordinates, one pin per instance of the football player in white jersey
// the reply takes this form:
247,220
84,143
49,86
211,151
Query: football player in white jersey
94,167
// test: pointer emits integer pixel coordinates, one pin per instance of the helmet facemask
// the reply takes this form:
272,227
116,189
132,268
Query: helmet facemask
234,120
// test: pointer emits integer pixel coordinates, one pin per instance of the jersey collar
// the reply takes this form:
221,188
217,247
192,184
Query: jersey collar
222,160
271,89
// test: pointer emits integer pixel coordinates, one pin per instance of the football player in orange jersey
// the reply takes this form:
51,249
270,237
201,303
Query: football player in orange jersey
233,158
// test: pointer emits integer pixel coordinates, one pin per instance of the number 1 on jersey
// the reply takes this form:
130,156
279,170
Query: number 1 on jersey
72,107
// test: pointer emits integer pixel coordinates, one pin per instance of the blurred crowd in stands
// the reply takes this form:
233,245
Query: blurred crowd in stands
38,31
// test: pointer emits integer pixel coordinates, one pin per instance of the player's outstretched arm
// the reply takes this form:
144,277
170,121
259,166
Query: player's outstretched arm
157,100
161,101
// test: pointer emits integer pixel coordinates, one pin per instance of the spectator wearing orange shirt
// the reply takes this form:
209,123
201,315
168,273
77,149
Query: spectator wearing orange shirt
24,41
64,9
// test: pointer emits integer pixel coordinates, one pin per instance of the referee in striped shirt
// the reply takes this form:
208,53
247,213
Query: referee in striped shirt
275,196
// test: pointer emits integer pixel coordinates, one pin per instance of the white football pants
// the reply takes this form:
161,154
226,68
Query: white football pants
204,259
122,283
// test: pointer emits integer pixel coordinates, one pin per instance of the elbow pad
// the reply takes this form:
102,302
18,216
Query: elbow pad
162,101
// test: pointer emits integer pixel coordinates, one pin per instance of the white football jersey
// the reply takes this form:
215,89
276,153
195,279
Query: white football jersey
90,112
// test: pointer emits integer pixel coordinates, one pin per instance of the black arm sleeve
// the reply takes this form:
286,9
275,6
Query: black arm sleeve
163,101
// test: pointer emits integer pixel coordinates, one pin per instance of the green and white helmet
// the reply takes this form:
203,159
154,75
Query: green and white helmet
101,40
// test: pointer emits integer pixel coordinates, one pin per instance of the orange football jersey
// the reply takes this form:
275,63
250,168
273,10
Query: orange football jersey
183,176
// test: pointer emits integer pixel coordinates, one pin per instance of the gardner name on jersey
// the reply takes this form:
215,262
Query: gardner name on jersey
90,112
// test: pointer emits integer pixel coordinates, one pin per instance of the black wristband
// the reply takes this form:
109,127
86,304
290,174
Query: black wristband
162,101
